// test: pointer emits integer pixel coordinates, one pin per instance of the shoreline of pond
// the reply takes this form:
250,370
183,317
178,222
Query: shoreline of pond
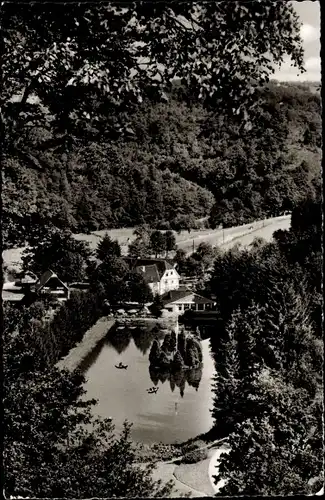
94,335
91,339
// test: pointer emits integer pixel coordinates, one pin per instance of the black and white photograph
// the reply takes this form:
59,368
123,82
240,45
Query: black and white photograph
161,220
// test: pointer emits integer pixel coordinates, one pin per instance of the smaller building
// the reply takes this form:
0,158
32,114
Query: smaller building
50,284
179,301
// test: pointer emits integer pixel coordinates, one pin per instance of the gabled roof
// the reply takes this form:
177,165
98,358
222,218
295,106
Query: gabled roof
177,295
162,265
172,295
149,273
45,278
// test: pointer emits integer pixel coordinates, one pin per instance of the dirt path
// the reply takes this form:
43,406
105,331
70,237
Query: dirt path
244,235
265,232
90,340
193,479
195,476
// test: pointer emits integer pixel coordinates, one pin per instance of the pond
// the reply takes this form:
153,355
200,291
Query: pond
178,411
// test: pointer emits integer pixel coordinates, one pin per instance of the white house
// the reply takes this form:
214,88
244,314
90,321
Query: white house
159,274
179,301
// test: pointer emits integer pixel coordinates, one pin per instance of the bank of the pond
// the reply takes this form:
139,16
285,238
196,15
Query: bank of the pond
190,479
96,333
90,340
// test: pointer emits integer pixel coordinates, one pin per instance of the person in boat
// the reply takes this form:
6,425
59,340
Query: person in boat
120,365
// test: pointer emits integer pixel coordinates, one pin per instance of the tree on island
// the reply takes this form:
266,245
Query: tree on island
178,362
191,357
155,351
163,359
195,344
181,344
166,345
173,341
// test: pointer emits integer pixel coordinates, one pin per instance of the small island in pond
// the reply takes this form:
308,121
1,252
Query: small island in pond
176,352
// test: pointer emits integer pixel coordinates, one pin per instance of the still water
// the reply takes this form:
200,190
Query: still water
178,411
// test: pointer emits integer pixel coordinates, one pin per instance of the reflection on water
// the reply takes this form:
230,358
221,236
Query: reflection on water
120,339
178,378
179,410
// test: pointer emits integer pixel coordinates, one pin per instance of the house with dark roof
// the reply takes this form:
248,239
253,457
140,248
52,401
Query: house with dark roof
183,299
28,288
50,284
159,274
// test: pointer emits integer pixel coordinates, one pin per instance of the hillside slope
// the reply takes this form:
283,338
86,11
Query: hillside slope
177,162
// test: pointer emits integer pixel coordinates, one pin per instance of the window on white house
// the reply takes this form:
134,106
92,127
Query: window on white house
186,306
180,308
193,306
200,307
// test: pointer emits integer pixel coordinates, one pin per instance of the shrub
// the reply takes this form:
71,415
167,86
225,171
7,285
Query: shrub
194,456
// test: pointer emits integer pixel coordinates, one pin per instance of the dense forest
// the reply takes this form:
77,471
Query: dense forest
174,163
269,355
96,133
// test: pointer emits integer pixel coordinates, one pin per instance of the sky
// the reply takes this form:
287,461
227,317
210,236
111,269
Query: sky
309,14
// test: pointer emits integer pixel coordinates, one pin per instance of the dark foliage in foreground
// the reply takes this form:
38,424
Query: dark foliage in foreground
53,445
268,386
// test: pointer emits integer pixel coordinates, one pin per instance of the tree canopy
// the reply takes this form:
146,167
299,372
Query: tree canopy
58,251
89,59
268,354
53,445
